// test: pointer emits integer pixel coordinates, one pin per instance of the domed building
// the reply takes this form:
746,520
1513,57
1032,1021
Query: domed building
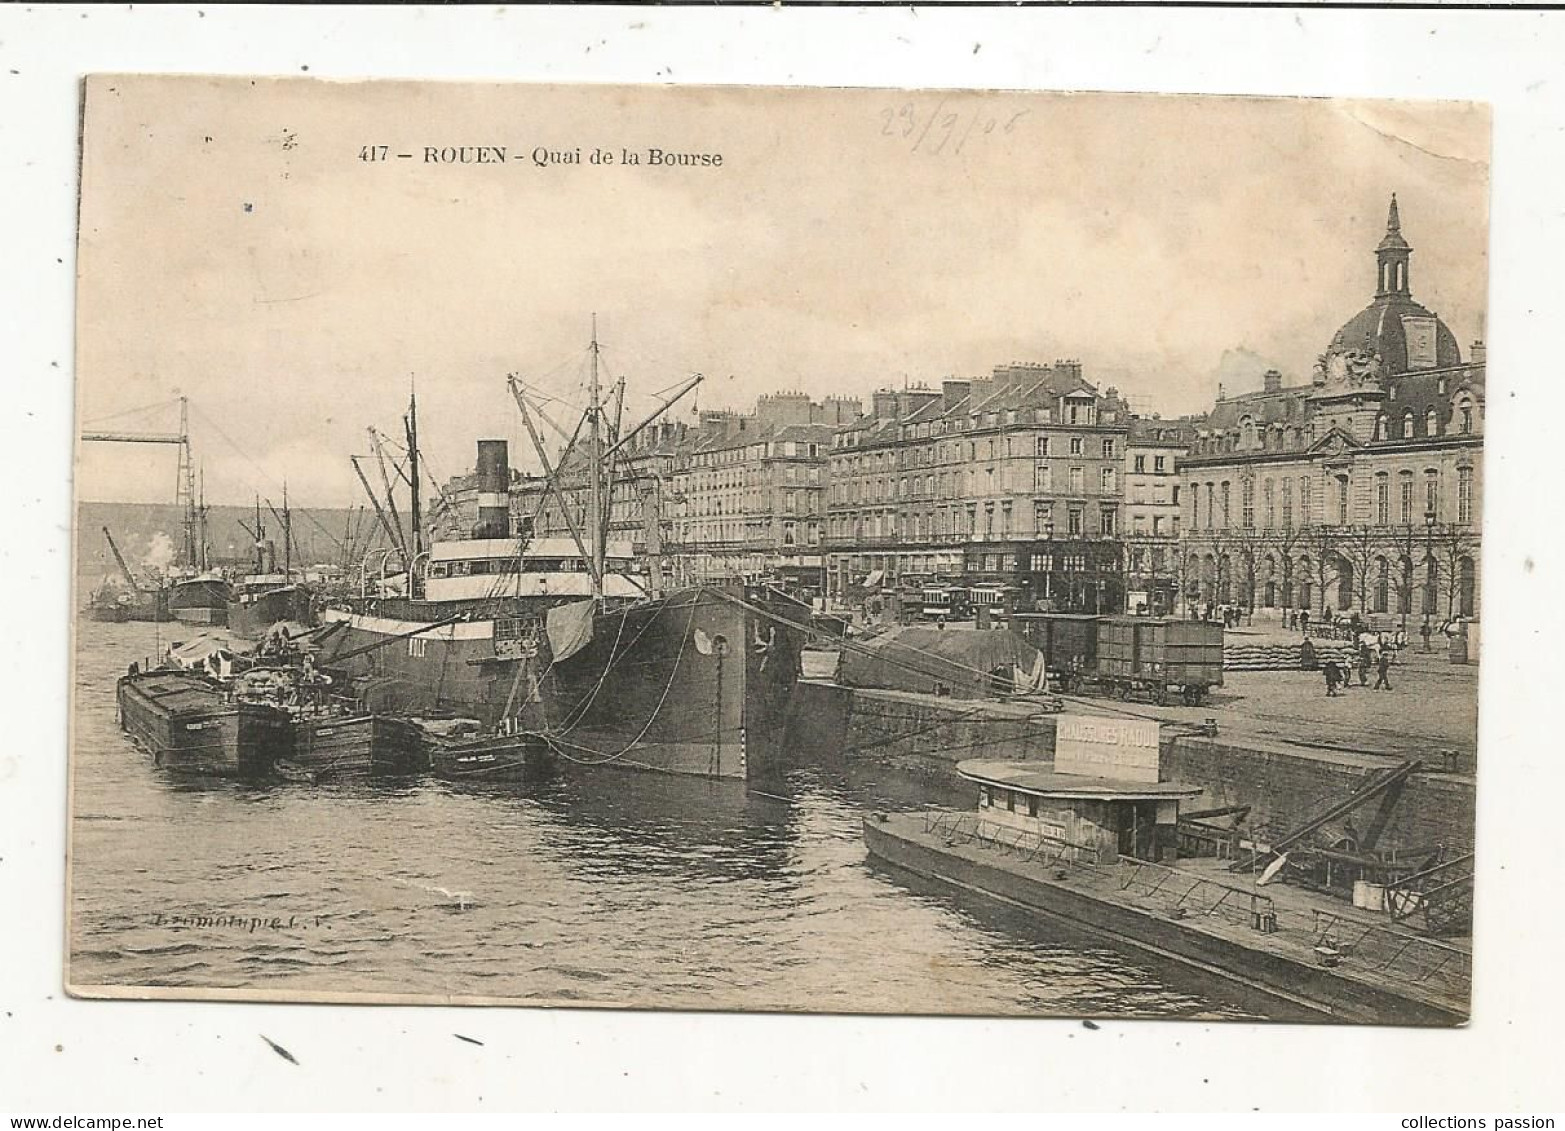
1403,334
1358,491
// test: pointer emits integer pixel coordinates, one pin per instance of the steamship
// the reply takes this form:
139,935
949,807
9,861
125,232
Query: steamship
561,643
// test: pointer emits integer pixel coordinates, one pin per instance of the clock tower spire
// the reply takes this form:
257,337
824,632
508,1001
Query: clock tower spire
1391,258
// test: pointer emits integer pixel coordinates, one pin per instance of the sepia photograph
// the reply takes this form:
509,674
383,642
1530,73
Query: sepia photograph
810,550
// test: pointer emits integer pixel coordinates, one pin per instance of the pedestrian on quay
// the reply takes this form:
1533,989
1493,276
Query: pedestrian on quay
1400,640
1366,659
1304,621
1424,632
1383,670
1330,670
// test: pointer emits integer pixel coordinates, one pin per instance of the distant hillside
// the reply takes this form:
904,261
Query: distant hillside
151,532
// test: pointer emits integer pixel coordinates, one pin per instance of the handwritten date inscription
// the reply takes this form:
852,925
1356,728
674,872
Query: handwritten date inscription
940,129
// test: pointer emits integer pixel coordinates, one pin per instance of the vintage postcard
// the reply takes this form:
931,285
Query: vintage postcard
830,550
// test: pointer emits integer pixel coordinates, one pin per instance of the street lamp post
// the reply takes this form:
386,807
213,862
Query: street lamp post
1048,574
1429,557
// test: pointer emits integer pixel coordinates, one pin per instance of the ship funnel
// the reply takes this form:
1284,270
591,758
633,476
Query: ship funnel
494,490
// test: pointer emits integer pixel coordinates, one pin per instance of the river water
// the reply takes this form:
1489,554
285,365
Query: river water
594,887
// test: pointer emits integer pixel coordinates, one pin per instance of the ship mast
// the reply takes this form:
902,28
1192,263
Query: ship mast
287,537
595,507
411,424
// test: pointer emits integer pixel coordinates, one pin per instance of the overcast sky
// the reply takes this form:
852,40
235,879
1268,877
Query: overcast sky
236,249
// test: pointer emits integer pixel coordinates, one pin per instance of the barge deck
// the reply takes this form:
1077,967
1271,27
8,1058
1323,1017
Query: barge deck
1317,959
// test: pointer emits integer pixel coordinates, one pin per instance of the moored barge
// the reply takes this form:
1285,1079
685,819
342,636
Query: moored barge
191,726
329,748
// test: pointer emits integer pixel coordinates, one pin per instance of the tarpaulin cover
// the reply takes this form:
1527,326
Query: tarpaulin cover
570,628
962,660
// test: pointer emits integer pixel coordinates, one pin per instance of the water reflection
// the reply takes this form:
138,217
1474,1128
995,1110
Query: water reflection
588,885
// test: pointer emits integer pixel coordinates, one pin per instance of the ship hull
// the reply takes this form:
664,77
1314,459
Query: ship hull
251,619
694,683
358,747
188,728
145,606
495,758
200,600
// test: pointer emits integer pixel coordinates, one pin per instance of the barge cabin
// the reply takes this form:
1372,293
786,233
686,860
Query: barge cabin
1097,819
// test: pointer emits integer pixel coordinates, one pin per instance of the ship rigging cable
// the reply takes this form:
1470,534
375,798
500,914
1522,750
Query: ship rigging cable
555,744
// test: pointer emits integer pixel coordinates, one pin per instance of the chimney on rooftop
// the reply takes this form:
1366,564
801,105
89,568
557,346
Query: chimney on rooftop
1271,381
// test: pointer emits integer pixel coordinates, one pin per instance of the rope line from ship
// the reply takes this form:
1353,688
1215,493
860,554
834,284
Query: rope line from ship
555,743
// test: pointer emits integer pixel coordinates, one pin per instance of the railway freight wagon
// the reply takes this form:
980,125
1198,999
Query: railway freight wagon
1121,656
1068,641
1159,656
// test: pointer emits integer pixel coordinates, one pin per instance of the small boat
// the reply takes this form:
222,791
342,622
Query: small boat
459,750
192,724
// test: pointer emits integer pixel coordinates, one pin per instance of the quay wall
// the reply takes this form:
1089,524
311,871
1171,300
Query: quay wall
925,734
1284,785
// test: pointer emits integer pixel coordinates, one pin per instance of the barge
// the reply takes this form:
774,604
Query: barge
190,725
1059,849
354,746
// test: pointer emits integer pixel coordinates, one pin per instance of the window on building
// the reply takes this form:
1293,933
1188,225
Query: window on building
1342,500
1432,493
1075,444
1464,495
1108,519
1074,526
1306,503
1043,445
1466,413
1227,505
1195,506
1158,463
1431,423
1109,481
1407,425
1268,492
1405,486
1078,481
1211,509
1108,449
1382,500
1139,464
1247,503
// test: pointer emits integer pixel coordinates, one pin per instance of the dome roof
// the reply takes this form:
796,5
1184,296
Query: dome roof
1406,335
1384,327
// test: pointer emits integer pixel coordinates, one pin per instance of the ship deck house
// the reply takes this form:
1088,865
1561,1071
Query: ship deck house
1101,818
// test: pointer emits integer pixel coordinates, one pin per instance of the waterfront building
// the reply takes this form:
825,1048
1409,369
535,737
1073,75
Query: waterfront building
1357,491
750,502
1032,454
1153,454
